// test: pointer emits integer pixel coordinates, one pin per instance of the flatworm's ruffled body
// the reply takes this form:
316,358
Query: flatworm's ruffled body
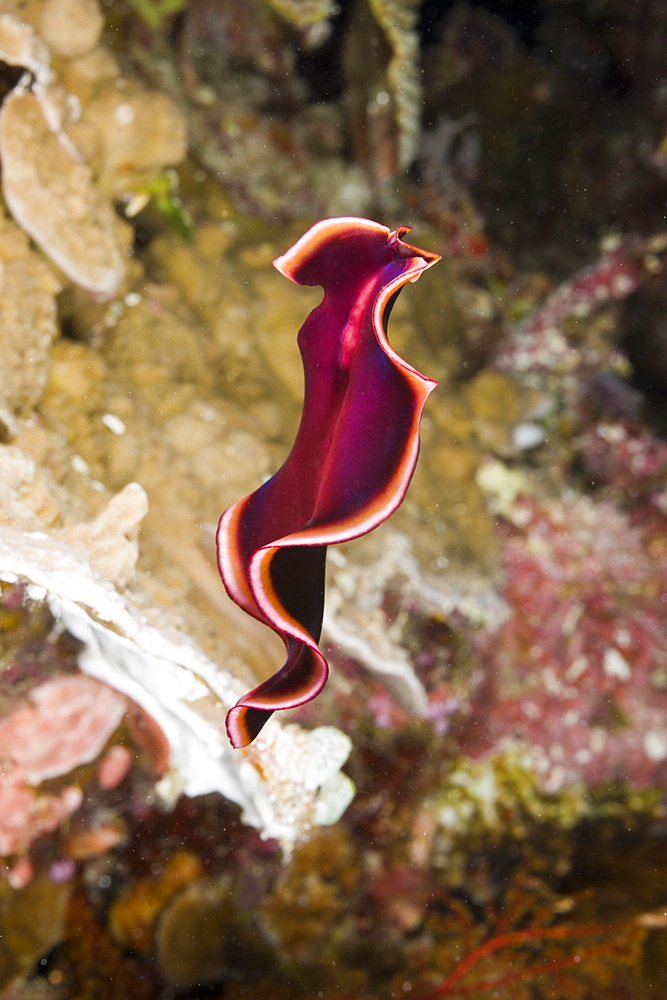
352,460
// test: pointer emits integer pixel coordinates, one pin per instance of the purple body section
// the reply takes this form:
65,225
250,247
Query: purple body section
350,464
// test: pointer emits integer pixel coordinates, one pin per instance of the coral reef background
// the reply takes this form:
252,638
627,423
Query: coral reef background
475,806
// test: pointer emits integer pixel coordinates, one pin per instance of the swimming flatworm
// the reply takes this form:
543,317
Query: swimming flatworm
351,462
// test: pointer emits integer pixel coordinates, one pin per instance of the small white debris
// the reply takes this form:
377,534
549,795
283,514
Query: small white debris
555,779
136,204
622,285
578,667
124,114
502,486
328,751
598,740
531,710
623,638
448,817
615,665
169,789
551,681
80,465
527,436
655,745
332,799
113,423
571,621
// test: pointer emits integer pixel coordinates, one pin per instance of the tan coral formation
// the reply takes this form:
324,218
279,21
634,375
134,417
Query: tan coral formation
66,155
53,197
50,192
20,46
110,540
70,28
28,309
138,132
31,501
27,494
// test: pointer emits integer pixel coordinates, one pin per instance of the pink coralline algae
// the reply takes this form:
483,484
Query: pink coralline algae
539,344
26,814
629,460
64,723
578,672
